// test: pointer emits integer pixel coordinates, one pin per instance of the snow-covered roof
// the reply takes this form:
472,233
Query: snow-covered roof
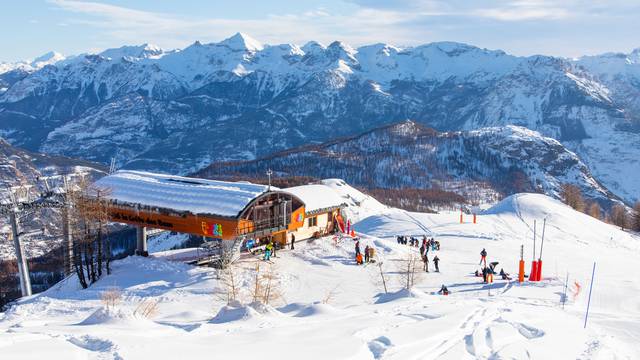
316,197
198,196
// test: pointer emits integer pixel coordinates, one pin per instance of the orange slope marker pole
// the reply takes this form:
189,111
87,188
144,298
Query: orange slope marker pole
521,265
461,219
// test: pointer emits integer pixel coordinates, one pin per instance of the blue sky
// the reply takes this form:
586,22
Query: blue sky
522,27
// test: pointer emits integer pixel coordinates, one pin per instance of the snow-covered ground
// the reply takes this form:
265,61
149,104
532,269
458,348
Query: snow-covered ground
331,308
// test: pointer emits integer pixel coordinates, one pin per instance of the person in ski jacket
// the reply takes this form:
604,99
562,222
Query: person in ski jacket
366,253
293,241
504,275
426,263
483,257
422,250
436,260
357,247
267,251
485,272
273,247
443,290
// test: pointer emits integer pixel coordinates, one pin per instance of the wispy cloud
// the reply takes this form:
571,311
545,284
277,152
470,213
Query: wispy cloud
399,22
127,24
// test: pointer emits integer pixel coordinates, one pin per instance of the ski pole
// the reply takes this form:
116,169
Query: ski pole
589,301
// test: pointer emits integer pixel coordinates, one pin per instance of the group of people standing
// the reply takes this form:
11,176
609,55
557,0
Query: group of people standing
414,241
424,252
487,272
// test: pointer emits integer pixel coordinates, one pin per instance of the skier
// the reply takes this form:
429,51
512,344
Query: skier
267,251
366,253
443,290
483,257
436,260
422,250
485,272
293,241
492,267
504,275
358,250
426,263
433,244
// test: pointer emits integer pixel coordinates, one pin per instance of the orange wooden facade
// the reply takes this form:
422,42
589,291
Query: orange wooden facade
220,228
209,226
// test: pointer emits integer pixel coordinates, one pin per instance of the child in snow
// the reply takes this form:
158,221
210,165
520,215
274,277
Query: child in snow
366,253
436,260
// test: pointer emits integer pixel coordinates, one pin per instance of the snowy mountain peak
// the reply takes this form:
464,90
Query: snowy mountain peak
133,52
242,42
46,59
313,46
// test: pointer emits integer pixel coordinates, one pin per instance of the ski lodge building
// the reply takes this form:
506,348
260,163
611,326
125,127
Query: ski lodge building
218,209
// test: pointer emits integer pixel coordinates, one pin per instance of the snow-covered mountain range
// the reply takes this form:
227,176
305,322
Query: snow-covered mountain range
507,160
238,99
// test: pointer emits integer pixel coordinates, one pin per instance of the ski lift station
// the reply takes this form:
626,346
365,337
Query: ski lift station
220,210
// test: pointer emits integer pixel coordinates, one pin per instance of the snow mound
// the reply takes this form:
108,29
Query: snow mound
400,294
107,316
236,311
316,309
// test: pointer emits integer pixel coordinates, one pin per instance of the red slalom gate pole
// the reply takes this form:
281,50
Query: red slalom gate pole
461,221
474,218
534,271
539,271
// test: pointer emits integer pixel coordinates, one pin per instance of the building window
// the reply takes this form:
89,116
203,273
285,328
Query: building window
312,221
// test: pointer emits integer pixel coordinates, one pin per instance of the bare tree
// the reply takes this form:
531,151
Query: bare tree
619,216
91,248
111,298
271,290
594,210
147,309
383,278
572,196
8,282
230,286
636,216
410,270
